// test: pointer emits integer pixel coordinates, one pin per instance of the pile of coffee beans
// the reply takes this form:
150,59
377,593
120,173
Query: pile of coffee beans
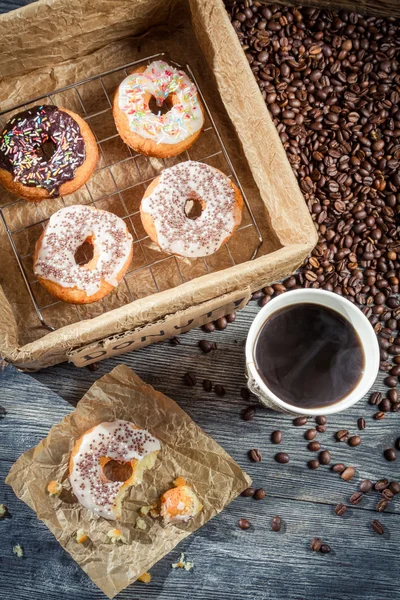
331,81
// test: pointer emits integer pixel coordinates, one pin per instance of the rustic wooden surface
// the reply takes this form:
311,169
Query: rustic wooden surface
230,564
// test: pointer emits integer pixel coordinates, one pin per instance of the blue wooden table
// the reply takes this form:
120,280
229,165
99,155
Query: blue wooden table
230,564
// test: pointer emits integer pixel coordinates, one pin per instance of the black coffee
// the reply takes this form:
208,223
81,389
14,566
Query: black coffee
309,355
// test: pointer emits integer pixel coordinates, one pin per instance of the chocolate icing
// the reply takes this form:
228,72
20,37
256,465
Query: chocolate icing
23,137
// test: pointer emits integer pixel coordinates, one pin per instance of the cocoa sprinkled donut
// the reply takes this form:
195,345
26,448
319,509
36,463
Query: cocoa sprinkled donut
160,135
33,173
54,258
163,209
119,441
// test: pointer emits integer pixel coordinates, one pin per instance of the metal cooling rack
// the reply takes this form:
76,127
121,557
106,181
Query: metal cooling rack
118,185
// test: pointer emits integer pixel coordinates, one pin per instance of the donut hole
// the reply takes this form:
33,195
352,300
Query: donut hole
160,109
46,150
114,470
84,253
194,207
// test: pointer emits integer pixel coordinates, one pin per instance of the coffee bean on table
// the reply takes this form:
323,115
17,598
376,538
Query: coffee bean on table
208,327
314,446
324,457
207,385
321,420
313,464
342,435
387,494
219,390
381,484
206,346
310,434
94,366
282,457
255,455
377,527
338,468
385,405
321,428
244,524
397,444
390,454
348,473
316,544
276,523
366,486
382,505
393,396
379,416
340,509
394,486
260,494
299,421
354,440
244,392
361,423
276,437
221,323
248,492
325,549
190,379
390,381
375,398
356,498
231,317
248,413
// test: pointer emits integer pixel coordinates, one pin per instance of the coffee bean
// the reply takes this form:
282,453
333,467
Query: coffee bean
321,428
190,379
221,323
282,457
375,398
244,392
321,420
377,527
394,487
219,390
314,446
338,468
340,509
387,494
310,434
94,366
208,327
385,405
206,346
393,395
276,523
382,505
390,382
316,544
276,437
325,549
397,443
207,385
248,413
3,412
356,498
390,454
324,457
255,455
299,421
342,435
361,423
354,440
379,416
248,492
366,486
348,473
313,464
231,317
244,524
260,494
381,484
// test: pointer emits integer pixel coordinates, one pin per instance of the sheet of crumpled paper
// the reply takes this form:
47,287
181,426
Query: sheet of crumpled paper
186,451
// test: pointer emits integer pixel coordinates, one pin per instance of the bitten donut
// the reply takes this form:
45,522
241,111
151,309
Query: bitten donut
119,441
160,135
54,257
24,168
163,209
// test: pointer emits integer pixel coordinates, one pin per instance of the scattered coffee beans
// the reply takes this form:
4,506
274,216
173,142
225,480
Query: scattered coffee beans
244,392
219,390
377,527
340,509
342,435
244,524
313,464
206,346
248,492
382,505
282,457
325,549
260,494
348,473
321,420
276,523
310,434
394,486
207,385
316,544
361,423
338,468
366,486
299,421
390,454
208,327
354,440
325,457
381,484
276,437
314,446
255,455
356,498
248,413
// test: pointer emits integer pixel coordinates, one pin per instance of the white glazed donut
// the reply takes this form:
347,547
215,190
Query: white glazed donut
163,209
54,258
160,135
120,441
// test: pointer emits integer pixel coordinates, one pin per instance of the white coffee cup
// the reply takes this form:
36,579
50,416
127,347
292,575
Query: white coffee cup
342,306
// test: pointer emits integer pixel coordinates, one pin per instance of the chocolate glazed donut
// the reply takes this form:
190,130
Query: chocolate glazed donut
26,167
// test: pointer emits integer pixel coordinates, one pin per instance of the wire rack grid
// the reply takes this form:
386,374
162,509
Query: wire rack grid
117,185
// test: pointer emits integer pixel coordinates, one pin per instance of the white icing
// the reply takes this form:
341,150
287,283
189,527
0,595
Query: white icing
160,80
176,233
117,440
67,229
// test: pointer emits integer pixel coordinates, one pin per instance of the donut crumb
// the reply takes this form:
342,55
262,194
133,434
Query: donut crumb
145,578
183,564
3,510
18,551
54,488
116,535
81,536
